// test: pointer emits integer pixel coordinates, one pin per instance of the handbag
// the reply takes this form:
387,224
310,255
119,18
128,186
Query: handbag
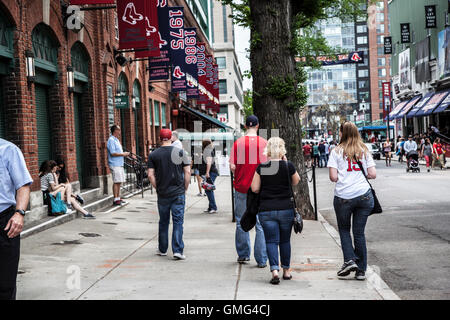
376,207
58,206
298,220
248,219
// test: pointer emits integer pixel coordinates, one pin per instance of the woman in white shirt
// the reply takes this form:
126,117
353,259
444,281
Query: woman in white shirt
352,197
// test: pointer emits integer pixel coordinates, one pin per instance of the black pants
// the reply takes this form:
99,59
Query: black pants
9,258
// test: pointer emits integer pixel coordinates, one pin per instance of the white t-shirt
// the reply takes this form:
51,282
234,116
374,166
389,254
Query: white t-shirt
177,144
351,181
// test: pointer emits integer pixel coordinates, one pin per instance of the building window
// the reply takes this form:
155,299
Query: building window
150,103
156,112
380,17
380,6
163,114
221,62
223,86
363,73
364,96
382,72
380,39
362,40
380,51
363,84
380,28
381,62
361,29
225,30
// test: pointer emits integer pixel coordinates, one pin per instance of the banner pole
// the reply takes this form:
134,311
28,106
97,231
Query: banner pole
97,8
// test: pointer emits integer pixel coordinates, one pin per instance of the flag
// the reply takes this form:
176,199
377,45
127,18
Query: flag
177,48
201,68
190,42
209,80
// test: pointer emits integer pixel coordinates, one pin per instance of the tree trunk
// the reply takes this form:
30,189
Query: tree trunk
270,56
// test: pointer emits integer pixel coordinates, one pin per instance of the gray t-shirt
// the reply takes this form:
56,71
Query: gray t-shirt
46,180
427,150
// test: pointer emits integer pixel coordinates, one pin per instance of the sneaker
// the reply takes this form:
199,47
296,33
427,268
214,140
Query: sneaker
179,256
159,253
79,199
88,216
207,210
261,265
117,203
360,275
347,267
212,211
69,206
122,202
243,260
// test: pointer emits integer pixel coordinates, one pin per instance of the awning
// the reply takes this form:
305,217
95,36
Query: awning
199,136
408,106
444,104
397,109
434,101
419,105
203,116
374,128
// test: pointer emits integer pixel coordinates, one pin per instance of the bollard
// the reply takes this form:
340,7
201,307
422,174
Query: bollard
315,192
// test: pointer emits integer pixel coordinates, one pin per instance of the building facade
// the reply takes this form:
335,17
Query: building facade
230,76
47,120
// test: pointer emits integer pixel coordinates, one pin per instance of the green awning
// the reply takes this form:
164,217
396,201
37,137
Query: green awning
206,117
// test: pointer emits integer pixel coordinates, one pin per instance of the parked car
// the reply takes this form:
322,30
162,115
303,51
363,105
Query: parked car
375,150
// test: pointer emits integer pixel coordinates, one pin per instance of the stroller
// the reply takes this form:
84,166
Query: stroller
412,161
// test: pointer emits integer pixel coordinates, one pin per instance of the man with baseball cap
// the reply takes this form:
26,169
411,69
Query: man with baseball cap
246,155
169,172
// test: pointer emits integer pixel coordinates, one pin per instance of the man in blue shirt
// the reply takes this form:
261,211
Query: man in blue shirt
115,162
15,181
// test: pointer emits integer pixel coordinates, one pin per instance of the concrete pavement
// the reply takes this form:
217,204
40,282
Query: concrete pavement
113,257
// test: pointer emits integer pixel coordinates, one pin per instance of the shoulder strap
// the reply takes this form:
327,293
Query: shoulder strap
364,173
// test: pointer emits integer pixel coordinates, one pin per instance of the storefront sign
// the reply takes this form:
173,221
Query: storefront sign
138,26
121,102
190,42
387,45
177,46
405,33
430,16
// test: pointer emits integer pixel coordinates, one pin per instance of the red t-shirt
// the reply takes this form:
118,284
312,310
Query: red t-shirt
246,155
438,148
307,149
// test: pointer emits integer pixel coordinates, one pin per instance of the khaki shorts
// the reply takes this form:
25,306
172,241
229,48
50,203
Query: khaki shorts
118,174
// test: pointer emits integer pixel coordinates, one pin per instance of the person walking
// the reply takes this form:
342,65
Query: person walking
196,161
209,170
353,199
327,152
307,150
247,153
276,212
15,191
427,151
169,172
387,148
408,147
316,155
400,151
116,162
175,141
323,156
438,153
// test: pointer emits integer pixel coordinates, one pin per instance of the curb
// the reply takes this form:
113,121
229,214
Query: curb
372,277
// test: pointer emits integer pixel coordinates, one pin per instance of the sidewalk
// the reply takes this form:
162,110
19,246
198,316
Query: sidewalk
113,257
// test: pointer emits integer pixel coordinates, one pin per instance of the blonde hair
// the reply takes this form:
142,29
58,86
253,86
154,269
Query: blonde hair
351,144
275,148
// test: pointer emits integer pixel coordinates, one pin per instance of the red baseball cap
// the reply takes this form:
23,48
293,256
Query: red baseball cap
165,134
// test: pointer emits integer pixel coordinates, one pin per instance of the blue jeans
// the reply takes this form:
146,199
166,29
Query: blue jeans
242,238
210,194
165,206
323,160
360,208
277,227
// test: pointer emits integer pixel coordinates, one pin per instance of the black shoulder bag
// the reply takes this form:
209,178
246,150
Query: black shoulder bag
298,220
377,207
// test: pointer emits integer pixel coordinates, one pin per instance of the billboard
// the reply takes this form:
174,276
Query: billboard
404,69
444,53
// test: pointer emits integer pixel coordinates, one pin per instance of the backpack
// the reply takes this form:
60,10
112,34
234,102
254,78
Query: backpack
58,206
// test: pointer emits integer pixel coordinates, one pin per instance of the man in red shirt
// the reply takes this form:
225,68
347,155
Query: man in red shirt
247,153
307,153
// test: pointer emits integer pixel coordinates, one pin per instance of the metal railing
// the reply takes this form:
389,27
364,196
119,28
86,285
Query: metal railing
136,178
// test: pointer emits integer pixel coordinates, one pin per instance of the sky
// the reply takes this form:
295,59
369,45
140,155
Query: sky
242,42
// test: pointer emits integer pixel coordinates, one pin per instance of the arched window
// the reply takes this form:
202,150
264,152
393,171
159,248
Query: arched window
79,59
45,47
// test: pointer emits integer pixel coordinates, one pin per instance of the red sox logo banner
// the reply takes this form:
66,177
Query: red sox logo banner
190,42
177,48
81,2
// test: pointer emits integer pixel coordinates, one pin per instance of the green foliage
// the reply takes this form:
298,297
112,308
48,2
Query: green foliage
248,103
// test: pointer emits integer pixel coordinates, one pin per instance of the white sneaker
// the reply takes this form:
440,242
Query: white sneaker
179,256
212,211
159,253
206,210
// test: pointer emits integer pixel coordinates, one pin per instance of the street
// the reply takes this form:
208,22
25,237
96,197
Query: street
410,240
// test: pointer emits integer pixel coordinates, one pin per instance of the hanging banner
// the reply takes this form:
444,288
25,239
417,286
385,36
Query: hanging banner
405,33
430,16
178,55
159,73
81,2
422,66
216,88
387,45
201,68
162,38
386,98
209,80
190,42
404,69
151,30
352,57
444,53
138,25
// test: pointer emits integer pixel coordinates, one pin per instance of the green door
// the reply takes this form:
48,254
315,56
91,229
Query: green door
122,127
2,111
43,124
79,143
136,128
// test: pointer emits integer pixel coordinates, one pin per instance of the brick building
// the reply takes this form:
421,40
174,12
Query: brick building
47,120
